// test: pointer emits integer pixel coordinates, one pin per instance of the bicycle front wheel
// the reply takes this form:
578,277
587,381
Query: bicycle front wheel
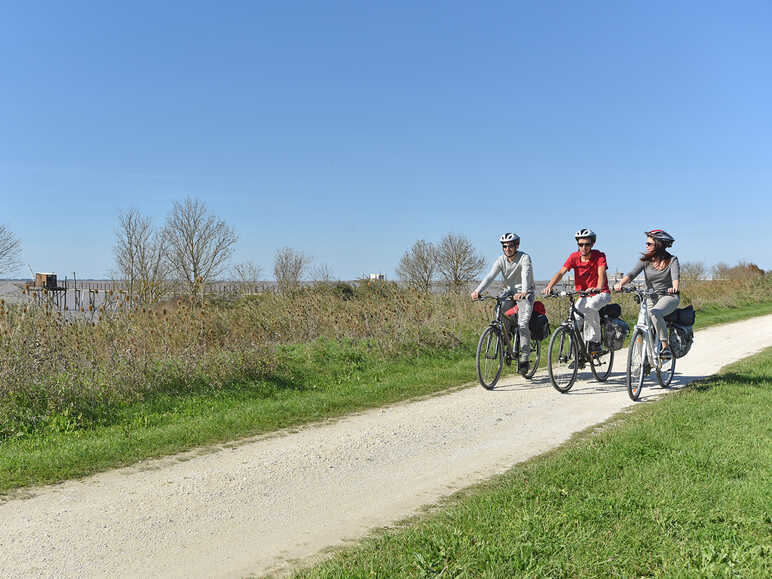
562,359
490,357
636,364
601,364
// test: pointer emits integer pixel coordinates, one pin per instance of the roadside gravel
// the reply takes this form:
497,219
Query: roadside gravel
264,505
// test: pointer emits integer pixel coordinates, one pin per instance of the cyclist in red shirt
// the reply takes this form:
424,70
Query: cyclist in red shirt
589,267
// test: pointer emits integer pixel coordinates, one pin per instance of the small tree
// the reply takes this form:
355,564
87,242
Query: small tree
10,251
418,266
693,271
248,275
458,262
140,254
289,267
199,244
322,274
720,271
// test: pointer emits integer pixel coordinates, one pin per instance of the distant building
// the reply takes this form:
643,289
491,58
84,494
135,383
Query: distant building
377,276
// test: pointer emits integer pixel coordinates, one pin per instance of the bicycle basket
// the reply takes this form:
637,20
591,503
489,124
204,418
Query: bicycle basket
682,316
616,332
681,339
610,311
539,326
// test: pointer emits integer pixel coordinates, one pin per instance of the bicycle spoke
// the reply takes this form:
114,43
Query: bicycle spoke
561,359
490,357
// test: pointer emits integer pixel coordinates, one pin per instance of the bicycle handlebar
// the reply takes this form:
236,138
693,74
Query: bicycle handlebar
564,293
645,292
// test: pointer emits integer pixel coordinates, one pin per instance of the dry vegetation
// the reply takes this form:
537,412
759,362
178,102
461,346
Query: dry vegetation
75,373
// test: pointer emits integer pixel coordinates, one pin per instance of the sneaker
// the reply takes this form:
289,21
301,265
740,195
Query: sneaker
523,367
593,348
665,354
582,362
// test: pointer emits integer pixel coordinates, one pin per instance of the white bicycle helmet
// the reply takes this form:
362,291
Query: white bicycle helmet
662,235
509,237
589,233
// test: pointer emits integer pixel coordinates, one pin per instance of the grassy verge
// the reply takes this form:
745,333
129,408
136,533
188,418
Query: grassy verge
681,488
313,382
712,315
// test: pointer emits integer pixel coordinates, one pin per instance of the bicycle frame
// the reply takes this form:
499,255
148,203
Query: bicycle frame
512,346
571,320
650,352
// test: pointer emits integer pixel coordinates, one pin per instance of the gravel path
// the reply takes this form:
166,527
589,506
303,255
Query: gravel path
262,505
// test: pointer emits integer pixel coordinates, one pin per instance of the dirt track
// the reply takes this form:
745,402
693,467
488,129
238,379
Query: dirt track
262,505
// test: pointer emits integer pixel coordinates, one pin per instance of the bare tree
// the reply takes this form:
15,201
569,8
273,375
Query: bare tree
140,254
322,274
693,271
199,244
247,272
10,250
418,266
458,262
720,271
289,267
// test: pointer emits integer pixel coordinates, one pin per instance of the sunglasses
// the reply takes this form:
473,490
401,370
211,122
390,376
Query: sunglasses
649,244
584,244
507,245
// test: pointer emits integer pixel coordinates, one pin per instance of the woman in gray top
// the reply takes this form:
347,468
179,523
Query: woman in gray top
662,275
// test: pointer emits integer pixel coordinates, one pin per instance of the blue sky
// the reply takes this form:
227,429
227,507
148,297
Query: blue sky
349,130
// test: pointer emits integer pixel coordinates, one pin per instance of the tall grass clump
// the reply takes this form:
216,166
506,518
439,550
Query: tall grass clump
69,372
64,372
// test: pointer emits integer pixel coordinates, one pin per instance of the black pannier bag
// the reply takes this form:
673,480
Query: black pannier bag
616,331
681,339
539,326
682,316
610,311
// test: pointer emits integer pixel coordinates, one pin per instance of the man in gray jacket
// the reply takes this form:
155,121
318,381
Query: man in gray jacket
517,271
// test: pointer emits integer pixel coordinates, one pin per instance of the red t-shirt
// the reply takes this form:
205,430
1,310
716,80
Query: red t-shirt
586,272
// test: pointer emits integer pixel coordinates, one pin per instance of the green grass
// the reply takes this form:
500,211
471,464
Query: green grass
710,315
681,488
317,381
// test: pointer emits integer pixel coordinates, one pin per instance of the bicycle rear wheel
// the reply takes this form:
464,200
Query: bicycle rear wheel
562,359
601,364
534,356
665,372
636,364
490,357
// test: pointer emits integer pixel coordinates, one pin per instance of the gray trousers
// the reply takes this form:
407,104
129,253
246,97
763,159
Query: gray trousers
659,307
524,311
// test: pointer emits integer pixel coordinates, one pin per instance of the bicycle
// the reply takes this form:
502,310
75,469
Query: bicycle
644,350
567,352
495,345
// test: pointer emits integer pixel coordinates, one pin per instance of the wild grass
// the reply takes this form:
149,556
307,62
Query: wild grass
60,373
81,395
680,488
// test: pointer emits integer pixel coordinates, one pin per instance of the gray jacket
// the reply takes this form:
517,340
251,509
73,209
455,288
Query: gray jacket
517,274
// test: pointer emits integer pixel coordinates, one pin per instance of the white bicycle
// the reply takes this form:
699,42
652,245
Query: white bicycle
643,354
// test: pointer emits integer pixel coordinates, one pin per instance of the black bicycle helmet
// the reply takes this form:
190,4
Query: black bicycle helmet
661,235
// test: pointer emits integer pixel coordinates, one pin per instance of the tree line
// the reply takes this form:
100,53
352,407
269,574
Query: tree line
194,247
